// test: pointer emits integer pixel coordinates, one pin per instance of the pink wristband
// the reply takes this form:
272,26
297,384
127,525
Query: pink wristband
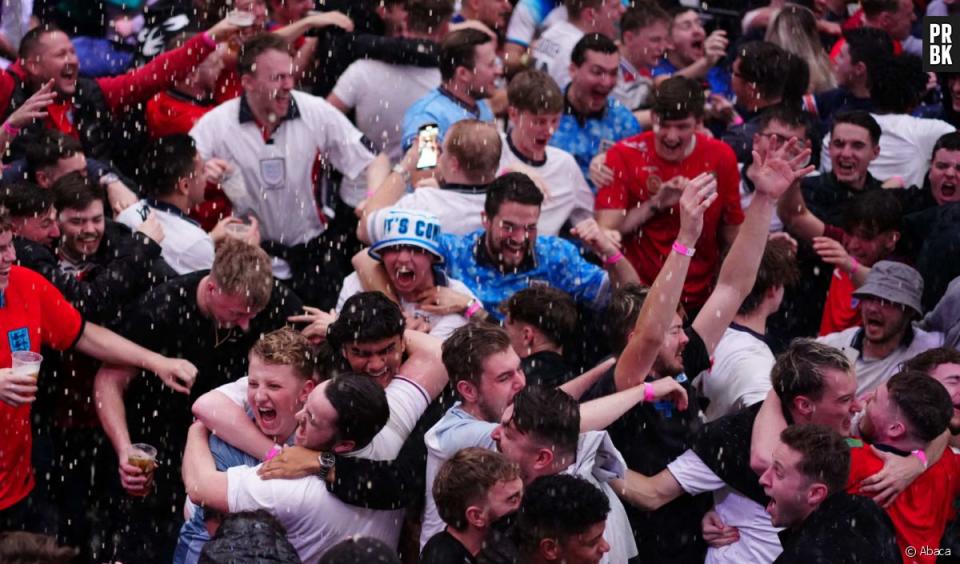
614,259
274,451
648,392
683,249
472,309
854,265
209,40
922,456
11,130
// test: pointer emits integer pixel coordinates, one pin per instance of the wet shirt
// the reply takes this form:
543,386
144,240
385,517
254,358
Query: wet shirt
442,548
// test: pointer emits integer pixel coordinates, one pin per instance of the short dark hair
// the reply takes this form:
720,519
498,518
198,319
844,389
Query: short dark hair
364,318
257,45
862,119
596,42
166,161
466,349
361,405
799,370
622,314
923,401
643,15
31,39
458,49
535,92
874,212
763,64
930,359
75,191
778,267
361,549
788,116
550,310
897,85
550,416
576,7
465,479
426,16
26,199
22,547
678,97
825,455
511,187
256,529
868,45
873,8
47,148
949,141
558,506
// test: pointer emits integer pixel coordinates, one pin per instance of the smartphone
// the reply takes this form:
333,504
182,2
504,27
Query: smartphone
429,148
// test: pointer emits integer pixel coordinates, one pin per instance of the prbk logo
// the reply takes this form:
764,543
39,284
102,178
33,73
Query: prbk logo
939,54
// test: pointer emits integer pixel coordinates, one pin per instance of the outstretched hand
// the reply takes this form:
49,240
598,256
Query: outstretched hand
698,195
774,171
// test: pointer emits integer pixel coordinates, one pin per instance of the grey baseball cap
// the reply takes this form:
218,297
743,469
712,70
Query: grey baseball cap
894,282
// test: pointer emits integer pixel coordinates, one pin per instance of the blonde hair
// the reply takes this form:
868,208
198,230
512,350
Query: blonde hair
794,29
476,146
242,269
287,347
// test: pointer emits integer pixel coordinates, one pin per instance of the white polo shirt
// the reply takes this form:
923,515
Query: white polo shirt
278,171
186,246
551,53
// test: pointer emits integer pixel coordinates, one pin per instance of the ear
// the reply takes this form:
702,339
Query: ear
305,391
876,151
804,406
897,429
485,221
183,186
245,81
572,70
544,458
476,517
550,549
771,292
528,334
43,179
462,74
468,391
343,447
816,493
513,114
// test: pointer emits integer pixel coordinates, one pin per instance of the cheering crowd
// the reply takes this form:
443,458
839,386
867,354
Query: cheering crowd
484,281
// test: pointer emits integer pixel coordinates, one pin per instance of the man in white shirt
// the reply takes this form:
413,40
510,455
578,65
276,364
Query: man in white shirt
552,51
274,136
889,303
343,415
174,183
370,87
536,104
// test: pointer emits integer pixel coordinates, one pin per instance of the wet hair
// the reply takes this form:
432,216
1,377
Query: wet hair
862,119
249,536
576,7
241,269
166,161
949,141
800,370
553,312
427,16
874,212
256,46
678,97
550,416
21,547
824,454
360,550
778,268
26,199
622,314
764,65
366,317
897,84
596,42
873,8
535,92
361,406
459,49
30,43
476,145
74,191
465,479
511,187
923,401
559,507
868,45
287,347
47,148
788,116
468,347
642,15
929,360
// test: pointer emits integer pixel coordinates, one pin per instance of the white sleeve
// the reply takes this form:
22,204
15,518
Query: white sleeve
132,217
205,135
523,26
198,256
340,141
408,400
351,286
349,84
236,391
693,475
752,379
246,491
583,197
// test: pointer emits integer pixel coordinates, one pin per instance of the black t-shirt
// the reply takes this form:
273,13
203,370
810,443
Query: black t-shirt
547,369
442,548
724,446
650,436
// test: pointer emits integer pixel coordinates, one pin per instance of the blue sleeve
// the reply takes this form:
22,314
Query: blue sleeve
412,120
664,67
629,126
573,274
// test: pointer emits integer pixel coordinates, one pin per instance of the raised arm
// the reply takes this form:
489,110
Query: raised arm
578,386
227,420
765,437
393,187
648,493
373,277
796,217
772,174
597,414
205,485
660,305
423,364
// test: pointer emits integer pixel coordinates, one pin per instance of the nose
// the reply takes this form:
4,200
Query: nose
765,478
856,406
244,322
604,546
495,434
375,363
54,230
259,395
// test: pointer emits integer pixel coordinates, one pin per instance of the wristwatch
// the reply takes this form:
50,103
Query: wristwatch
403,172
327,461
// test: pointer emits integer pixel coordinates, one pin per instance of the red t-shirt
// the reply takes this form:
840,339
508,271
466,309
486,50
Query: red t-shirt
920,513
842,310
34,314
169,114
638,174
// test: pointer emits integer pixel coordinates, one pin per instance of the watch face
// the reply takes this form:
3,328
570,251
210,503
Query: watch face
327,459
